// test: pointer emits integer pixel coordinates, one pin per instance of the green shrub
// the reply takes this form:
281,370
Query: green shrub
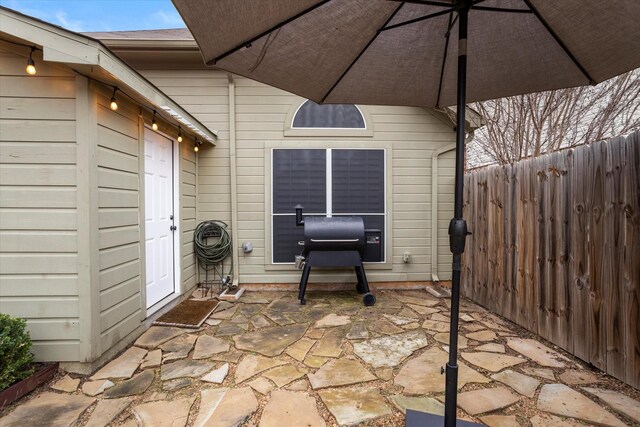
16,360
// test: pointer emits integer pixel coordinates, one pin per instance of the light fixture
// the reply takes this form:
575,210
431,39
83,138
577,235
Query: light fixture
31,65
114,103
154,124
196,144
179,134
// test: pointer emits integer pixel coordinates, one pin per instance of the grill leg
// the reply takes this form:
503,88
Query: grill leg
303,283
363,285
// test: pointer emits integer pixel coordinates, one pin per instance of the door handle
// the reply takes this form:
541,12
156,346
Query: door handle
173,228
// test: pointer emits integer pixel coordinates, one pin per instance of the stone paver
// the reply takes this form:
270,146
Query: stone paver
157,335
299,349
422,309
332,320
578,377
217,376
153,359
107,410
123,366
500,421
358,332
185,368
330,345
491,347
94,388
134,386
558,399
618,401
493,362
443,337
251,365
538,352
422,404
259,322
48,409
408,313
300,385
66,384
315,361
178,348
399,320
223,407
548,420
279,318
177,384
283,375
545,373
287,408
483,336
164,413
227,329
390,350
340,372
422,301
383,326
440,317
261,385
435,325
207,346
224,314
270,341
521,383
354,405
421,375
486,400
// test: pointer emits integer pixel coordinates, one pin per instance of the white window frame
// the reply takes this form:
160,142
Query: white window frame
329,202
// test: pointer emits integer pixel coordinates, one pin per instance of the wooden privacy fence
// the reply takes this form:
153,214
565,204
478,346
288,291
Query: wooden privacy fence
556,249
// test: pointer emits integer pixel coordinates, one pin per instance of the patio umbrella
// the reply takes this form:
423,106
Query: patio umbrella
416,53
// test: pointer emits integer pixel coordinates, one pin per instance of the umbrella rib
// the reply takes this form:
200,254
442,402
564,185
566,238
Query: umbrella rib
422,18
264,33
444,59
559,41
375,36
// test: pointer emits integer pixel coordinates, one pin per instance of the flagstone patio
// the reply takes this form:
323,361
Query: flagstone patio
267,361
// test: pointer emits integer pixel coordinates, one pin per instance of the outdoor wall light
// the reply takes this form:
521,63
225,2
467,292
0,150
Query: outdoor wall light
31,65
196,145
154,124
179,134
114,103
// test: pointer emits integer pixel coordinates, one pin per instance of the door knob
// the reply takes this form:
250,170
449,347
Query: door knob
173,228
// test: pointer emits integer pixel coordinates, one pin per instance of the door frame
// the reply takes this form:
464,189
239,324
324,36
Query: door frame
143,128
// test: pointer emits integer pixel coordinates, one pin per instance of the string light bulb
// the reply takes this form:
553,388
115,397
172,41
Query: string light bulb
179,134
114,103
196,143
154,124
31,65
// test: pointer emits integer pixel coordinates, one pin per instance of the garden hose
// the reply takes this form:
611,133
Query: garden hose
212,254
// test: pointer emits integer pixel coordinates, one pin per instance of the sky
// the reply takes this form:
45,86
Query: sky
101,15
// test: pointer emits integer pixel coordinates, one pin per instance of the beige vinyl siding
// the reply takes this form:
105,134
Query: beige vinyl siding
410,136
38,216
118,221
188,177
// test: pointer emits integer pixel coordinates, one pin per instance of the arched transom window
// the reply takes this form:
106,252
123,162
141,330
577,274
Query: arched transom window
335,116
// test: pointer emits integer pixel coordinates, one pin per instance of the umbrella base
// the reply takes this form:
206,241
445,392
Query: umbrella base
425,419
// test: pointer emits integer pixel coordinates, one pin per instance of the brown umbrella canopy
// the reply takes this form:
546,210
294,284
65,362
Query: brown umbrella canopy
404,53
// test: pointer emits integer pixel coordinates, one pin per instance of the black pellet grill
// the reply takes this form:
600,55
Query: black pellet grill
336,242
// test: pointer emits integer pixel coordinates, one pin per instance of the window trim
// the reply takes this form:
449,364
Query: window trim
289,130
268,179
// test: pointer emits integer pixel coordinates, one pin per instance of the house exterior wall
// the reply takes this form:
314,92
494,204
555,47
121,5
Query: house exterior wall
121,298
409,135
39,237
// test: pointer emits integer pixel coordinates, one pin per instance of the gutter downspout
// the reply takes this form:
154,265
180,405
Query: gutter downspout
434,203
234,179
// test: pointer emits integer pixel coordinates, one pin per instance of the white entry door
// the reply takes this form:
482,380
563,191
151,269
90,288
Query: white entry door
159,224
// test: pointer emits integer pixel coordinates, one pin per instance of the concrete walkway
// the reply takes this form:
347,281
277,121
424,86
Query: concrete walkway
267,361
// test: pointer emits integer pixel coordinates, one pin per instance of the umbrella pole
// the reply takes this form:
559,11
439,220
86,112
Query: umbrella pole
457,236
457,226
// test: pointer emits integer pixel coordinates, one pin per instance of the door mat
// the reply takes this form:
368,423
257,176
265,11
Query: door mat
187,314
